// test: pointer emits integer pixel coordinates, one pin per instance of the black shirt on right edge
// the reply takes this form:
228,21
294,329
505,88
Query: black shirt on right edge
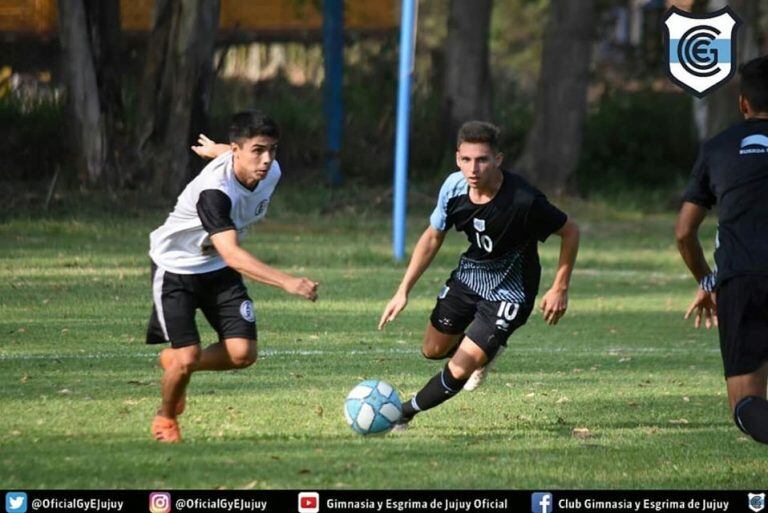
732,172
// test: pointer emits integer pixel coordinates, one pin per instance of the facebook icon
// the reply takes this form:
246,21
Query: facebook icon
541,502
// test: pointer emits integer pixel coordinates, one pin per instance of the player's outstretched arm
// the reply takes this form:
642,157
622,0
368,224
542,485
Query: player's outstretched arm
245,263
425,250
555,301
208,148
687,234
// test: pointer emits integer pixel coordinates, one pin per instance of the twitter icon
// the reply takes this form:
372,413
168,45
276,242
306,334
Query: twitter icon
16,502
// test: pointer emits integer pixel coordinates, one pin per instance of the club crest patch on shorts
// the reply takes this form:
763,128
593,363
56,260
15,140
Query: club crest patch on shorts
246,311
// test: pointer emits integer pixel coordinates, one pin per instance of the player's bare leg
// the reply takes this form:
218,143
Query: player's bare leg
467,359
175,379
481,373
745,385
166,359
230,353
746,395
438,345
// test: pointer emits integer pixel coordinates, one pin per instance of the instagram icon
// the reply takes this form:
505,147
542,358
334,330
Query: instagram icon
159,502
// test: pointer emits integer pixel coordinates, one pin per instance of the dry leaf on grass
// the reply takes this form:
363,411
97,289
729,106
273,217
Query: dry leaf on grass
581,433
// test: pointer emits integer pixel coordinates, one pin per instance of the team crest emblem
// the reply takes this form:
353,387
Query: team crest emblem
261,207
246,311
756,501
701,49
479,225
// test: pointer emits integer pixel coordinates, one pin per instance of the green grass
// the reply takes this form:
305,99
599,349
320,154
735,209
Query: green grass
78,387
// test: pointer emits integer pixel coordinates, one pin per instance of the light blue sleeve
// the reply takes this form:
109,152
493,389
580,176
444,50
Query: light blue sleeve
452,187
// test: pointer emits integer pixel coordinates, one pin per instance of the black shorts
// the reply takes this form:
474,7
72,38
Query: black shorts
487,323
742,314
221,295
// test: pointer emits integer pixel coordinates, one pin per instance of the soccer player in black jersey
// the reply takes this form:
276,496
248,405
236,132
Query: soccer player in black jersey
732,172
491,292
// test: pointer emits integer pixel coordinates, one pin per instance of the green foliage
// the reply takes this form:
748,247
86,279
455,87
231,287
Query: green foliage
637,140
517,31
78,387
35,138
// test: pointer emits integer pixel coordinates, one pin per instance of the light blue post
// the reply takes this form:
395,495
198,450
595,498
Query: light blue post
333,59
407,50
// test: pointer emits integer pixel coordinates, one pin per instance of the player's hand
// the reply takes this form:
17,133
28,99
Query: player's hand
206,148
303,287
553,305
705,303
393,308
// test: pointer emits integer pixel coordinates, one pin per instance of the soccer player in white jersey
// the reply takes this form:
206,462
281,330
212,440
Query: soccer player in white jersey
197,262
491,292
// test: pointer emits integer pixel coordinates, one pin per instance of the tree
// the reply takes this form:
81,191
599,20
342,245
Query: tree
90,38
720,109
176,90
467,75
554,142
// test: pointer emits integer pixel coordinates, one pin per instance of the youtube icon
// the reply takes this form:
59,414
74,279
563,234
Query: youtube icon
309,502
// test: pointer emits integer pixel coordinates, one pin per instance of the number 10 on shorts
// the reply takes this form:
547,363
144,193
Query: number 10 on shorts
507,310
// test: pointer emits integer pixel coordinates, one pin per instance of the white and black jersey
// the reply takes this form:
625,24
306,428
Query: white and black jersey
213,202
502,261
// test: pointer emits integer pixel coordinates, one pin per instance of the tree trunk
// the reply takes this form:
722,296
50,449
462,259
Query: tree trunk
90,38
719,110
552,150
176,90
467,74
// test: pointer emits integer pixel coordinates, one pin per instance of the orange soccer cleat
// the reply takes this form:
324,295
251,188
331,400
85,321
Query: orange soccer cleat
166,430
165,362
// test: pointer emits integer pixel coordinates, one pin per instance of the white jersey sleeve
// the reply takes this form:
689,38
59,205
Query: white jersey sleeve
182,245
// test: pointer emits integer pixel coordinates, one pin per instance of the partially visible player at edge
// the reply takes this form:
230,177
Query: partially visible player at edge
492,291
732,172
197,262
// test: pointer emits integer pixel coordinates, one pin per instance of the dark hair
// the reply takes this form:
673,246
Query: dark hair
754,83
479,132
248,124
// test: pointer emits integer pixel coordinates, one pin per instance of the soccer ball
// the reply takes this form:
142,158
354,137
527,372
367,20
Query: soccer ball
372,407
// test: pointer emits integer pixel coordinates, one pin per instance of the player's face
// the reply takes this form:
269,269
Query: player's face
253,157
478,163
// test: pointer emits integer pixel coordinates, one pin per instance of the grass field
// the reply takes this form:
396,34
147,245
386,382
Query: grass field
78,387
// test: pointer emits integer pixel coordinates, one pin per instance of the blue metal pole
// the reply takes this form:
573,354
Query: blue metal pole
407,48
333,60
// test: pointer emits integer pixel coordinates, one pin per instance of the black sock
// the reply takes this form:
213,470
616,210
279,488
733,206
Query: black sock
439,389
751,415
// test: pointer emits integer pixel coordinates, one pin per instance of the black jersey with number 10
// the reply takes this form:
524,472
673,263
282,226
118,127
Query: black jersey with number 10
502,261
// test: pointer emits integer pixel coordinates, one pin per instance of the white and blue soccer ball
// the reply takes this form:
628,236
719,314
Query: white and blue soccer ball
372,407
